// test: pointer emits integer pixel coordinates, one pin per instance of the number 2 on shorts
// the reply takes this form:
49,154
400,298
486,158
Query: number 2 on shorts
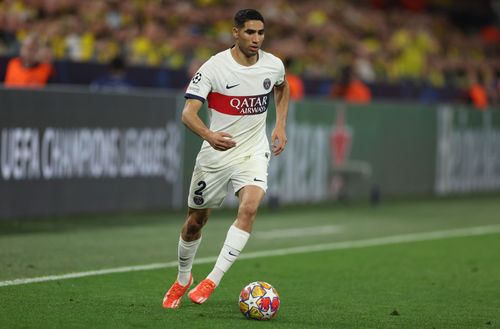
202,186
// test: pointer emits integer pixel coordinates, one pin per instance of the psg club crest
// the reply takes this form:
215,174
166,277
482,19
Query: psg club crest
267,84
196,78
198,200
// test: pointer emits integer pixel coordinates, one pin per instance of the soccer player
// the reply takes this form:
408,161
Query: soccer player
237,84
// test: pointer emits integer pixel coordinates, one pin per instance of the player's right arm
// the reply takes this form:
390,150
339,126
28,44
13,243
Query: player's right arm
220,141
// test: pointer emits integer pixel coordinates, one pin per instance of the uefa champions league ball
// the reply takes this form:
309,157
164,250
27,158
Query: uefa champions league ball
259,301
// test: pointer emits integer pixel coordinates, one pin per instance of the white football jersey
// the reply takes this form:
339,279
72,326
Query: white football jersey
238,98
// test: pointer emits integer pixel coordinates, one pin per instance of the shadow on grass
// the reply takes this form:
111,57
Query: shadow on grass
226,314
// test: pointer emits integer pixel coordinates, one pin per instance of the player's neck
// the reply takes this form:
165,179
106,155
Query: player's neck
243,59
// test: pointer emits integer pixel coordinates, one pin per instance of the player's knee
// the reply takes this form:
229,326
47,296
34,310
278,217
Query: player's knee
194,223
247,211
197,222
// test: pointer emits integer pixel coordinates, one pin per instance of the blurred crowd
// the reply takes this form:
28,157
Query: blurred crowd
369,40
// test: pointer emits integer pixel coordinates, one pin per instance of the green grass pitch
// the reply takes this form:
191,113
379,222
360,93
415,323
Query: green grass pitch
449,282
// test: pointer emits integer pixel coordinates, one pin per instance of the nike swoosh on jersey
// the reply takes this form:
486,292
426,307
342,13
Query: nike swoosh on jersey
257,180
229,87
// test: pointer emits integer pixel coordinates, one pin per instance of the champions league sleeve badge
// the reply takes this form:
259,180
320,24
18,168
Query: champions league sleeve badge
196,78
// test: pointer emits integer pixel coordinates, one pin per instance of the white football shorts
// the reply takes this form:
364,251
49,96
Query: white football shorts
209,189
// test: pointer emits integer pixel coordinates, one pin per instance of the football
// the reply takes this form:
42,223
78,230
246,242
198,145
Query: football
259,301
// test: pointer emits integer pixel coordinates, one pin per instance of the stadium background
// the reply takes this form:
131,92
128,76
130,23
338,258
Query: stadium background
95,165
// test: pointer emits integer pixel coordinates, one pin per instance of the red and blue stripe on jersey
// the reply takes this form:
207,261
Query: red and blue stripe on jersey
238,105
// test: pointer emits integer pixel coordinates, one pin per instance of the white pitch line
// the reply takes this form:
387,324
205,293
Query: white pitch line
297,232
387,240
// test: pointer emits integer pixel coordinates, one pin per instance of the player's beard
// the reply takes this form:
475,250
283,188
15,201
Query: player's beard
247,52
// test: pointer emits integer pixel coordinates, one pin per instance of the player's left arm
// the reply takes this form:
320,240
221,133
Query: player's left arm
278,136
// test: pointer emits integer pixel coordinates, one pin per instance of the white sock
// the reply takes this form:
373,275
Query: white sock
186,252
234,244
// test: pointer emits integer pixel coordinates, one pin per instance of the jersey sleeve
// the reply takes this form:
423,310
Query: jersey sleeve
281,73
201,83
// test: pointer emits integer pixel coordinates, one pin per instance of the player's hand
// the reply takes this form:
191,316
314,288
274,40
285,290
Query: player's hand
221,141
278,140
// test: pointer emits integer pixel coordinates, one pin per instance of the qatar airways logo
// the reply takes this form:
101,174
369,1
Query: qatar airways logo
238,105
251,104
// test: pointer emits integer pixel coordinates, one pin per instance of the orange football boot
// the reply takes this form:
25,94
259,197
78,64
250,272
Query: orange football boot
173,296
202,291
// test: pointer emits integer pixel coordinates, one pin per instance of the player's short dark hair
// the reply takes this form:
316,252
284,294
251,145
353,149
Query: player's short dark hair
245,15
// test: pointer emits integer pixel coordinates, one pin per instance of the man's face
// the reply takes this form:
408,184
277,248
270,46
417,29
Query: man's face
249,38
29,51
